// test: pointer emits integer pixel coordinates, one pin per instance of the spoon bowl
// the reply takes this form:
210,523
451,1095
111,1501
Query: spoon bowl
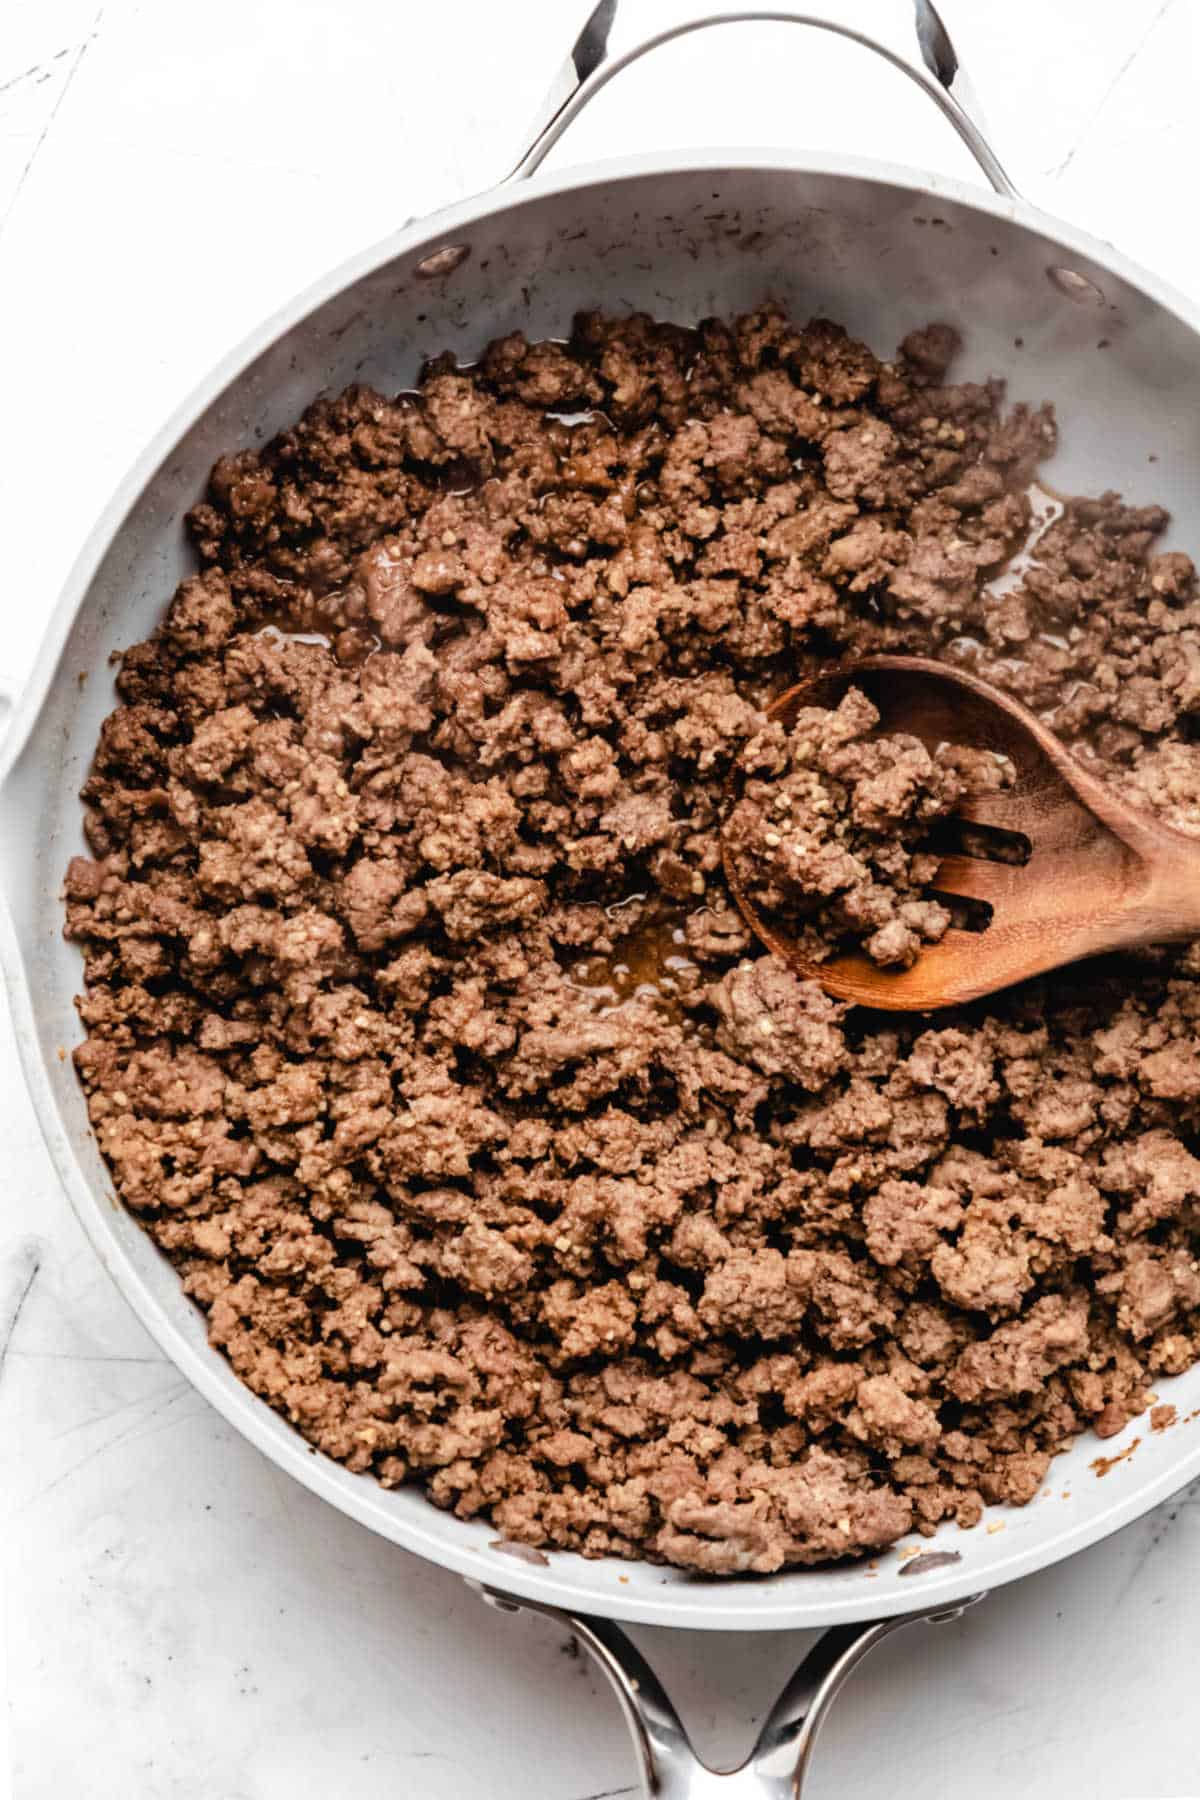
1100,874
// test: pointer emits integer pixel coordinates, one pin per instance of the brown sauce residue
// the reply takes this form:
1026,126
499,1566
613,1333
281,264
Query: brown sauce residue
650,962
337,618
1045,509
350,645
280,629
1163,1417
924,1562
1103,1464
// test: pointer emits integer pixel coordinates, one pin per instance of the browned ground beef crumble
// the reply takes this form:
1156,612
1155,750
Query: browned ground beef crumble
829,830
731,1277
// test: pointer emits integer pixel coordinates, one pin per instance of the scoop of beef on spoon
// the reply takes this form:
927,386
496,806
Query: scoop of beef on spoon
1100,875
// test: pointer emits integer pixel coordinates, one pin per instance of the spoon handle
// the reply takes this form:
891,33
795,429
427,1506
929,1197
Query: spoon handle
1158,883
1168,912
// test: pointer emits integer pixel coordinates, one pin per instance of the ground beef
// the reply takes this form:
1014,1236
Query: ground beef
422,1034
829,838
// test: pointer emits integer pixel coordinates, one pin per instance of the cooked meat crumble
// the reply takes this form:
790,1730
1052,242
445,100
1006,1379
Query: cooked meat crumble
710,1270
829,832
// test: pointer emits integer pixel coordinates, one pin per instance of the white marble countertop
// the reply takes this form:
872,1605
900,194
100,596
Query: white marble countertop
180,1620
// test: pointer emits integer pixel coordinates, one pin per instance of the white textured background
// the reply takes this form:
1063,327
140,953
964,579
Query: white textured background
180,1621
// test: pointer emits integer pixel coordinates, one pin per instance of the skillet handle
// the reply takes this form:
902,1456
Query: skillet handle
907,33
668,1767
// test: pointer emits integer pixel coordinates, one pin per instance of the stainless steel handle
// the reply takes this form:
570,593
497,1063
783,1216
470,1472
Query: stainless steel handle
907,33
668,1767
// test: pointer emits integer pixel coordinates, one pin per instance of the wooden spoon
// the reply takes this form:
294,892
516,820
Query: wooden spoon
1101,875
